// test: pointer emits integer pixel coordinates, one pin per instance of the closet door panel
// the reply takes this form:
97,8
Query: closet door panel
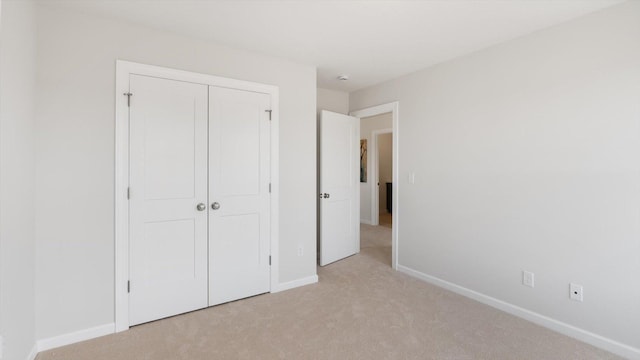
239,155
168,179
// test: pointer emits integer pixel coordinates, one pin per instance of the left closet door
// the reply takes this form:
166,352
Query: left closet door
168,200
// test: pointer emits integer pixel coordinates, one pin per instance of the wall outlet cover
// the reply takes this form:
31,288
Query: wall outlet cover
576,292
528,278
412,177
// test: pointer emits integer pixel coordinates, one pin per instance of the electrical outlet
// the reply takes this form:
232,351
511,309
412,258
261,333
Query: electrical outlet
300,250
575,292
528,278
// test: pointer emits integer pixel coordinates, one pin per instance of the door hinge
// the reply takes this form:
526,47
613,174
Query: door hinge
128,286
128,95
128,193
269,111
269,260
269,187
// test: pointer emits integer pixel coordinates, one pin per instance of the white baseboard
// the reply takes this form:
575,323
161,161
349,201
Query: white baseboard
563,328
74,337
296,283
91,333
34,352
368,222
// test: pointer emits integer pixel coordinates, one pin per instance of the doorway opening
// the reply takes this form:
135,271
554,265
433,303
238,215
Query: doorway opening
383,151
379,181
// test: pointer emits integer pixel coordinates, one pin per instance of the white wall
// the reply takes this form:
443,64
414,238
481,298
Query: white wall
367,126
17,173
385,167
332,100
75,164
526,157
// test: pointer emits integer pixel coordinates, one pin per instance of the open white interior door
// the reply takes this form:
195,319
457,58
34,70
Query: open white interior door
339,182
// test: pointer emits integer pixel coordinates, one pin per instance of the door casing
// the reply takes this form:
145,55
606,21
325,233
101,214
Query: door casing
393,108
123,71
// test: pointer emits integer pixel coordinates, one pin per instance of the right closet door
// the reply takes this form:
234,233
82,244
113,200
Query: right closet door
239,201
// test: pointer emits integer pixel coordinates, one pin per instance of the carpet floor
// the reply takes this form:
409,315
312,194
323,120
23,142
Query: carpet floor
360,309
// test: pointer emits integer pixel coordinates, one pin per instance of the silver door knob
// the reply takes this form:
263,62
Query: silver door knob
201,207
215,206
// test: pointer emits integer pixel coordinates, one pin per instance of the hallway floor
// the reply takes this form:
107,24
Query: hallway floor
385,219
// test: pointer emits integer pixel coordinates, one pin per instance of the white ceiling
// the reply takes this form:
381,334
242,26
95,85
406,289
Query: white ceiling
371,41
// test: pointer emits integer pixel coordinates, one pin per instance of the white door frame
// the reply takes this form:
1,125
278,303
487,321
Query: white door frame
123,70
393,108
375,167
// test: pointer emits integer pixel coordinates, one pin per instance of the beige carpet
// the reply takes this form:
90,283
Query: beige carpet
360,309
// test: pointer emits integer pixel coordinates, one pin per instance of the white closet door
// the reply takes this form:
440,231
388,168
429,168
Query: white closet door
239,155
168,230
